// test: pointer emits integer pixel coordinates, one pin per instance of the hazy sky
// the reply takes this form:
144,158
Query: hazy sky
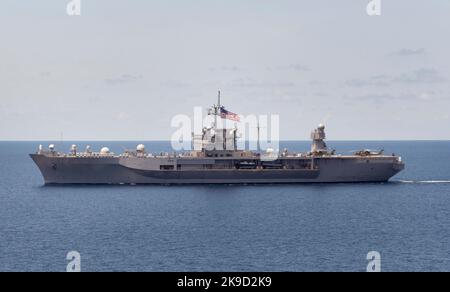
123,69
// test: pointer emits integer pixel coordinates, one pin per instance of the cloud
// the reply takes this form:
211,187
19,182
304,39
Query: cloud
378,80
408,52
423,75
423,96
122,116
297,67
233,68
46,74
123,79
291,67
251,83
320,94
379,97
176,84
420,76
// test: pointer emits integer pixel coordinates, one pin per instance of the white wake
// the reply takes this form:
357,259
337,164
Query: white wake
424,181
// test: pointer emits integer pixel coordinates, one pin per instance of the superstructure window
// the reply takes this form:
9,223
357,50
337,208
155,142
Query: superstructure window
166,167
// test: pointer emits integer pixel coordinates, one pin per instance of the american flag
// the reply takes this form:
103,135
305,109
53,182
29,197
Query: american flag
224,114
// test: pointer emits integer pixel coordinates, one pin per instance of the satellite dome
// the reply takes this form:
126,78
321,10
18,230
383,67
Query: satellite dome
104,150
74,147
321,126
140,148
51,147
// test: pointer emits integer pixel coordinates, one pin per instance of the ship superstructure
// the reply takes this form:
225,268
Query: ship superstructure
215,158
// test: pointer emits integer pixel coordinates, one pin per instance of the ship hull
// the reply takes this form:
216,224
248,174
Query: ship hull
117,170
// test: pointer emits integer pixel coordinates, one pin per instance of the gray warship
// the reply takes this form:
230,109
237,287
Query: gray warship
216,159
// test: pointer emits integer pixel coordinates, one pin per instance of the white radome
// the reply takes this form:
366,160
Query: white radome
140,148
104,150
321,126
51,147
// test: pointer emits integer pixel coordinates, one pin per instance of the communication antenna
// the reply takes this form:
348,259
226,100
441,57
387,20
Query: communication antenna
258,143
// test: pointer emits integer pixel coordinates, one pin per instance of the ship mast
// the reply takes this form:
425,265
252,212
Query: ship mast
218,98
217,110
258,145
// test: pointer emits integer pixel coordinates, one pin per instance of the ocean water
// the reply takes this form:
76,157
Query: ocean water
316,227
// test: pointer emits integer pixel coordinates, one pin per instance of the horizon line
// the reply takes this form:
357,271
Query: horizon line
287,140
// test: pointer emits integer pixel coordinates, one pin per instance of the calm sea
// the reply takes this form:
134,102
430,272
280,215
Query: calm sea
317,227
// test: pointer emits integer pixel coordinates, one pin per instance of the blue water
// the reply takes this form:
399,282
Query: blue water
319,227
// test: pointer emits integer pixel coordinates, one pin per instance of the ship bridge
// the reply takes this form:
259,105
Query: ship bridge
215,142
